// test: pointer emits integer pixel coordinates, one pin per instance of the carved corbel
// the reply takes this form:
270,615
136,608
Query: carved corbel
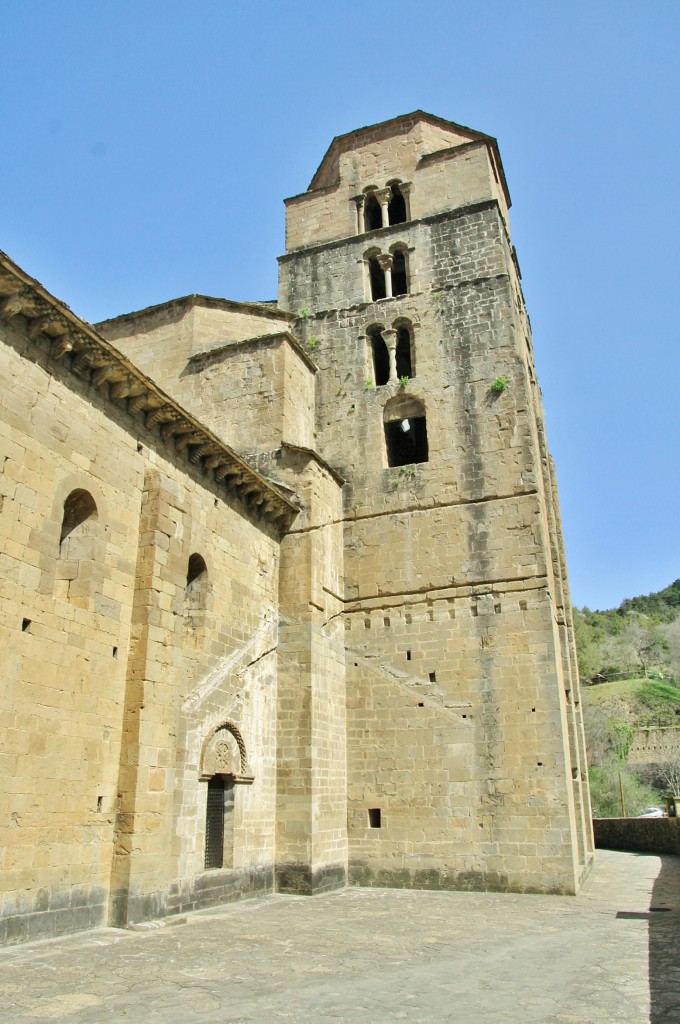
228,470
191,437
121,388
38,324
174,426
13,304
203,449
60,346
250,488
101,375
138,403
162,414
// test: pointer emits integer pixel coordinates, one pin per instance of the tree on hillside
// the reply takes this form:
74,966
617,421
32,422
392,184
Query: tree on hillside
673,637
647,642
669,773
664,605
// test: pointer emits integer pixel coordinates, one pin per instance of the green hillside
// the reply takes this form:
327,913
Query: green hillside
639,638
629,663
640,702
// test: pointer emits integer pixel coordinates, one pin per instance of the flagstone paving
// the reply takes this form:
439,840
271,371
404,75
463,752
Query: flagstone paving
366,956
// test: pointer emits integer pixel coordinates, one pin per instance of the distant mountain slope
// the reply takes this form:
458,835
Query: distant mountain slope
639,638
664,605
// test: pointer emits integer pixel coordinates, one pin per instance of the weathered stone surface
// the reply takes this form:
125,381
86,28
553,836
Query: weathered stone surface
215,532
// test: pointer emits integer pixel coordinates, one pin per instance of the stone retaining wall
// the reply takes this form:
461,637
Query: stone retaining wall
638,835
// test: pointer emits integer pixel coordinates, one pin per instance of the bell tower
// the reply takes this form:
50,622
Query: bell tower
465,754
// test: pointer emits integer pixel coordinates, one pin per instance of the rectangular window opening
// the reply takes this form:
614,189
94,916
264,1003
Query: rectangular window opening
406,441
374,817
214,824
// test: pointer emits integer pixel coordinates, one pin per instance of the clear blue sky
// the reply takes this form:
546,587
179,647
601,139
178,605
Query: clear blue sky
148,145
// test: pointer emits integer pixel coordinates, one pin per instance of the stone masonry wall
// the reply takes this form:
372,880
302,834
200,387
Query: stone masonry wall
427,157
113,672
450,570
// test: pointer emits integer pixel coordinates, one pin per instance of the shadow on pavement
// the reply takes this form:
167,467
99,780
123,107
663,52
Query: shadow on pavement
664,944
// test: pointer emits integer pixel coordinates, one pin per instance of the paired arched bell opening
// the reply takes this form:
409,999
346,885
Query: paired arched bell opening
383,207
387,273
392,352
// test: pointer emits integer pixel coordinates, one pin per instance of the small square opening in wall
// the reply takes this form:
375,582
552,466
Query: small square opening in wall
433,677
374,817
25,623
114,652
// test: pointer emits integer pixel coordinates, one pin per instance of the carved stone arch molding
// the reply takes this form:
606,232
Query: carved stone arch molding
224,753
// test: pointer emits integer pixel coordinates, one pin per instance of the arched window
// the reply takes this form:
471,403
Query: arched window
399,272
376,276
372,212
79,507
396,208
76,565
405,431
405,353
380,356
196,591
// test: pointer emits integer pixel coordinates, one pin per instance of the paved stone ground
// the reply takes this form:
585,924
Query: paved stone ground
368,956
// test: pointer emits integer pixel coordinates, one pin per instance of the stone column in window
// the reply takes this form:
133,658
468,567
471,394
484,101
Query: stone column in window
390,339
359,203
385,262
383,197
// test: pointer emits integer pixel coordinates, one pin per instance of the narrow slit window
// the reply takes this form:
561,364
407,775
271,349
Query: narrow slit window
399,276
196,591
404,353
78,563
372,213
377,278
381,357
396,208
374,817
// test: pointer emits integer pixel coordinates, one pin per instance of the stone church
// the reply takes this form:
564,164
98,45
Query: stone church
284,604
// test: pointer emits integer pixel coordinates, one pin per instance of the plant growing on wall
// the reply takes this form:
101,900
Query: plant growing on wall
369,384
303,313
403,381
313,342
405,475
499,385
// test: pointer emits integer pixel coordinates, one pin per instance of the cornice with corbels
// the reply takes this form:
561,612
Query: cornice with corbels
76,345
